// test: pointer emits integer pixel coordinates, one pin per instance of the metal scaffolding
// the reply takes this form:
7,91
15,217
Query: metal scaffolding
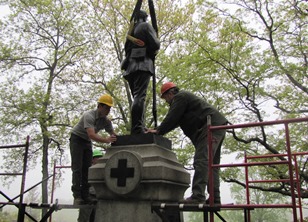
18,201
169,212
291,162
289,159
23,178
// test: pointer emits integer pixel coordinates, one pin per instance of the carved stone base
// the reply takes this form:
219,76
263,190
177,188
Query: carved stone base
128,211
129,177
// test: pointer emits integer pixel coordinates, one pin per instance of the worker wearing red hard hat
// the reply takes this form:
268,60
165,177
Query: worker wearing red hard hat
190,113
165,87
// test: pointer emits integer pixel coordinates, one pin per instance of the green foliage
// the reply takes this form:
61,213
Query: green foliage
6,216
248,60
257,197
195,217
58,64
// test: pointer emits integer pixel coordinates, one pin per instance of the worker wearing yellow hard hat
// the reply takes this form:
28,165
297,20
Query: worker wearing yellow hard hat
82,134
106,99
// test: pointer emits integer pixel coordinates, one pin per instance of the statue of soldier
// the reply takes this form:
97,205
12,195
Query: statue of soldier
139,67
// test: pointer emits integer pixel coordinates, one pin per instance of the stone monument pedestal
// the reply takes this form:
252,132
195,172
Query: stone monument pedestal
136,171
125,210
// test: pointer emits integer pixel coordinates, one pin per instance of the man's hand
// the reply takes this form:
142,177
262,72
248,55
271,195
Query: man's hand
151,131
98,138
111,139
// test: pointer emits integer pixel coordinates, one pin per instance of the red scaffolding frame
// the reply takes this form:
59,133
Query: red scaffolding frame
55,167
291,162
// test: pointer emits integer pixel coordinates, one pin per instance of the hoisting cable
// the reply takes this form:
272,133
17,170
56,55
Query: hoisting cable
136,11
154,25
129,38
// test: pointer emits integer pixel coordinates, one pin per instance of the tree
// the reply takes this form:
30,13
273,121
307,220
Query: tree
279,33
237,62
257,197
36,65
58,62
6,216
249,60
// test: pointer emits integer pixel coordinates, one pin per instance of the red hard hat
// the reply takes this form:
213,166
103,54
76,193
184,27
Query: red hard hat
166,86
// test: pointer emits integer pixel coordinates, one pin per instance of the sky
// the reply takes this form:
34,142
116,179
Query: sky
4,10
63,192
34,176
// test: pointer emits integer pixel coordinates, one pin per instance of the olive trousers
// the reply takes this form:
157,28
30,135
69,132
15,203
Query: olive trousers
201,179
81,160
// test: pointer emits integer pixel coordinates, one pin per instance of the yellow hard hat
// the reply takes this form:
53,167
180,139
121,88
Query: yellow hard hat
106,99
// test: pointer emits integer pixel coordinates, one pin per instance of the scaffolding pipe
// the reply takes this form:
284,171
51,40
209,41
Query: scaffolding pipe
291,172
247,190
289,156
21,214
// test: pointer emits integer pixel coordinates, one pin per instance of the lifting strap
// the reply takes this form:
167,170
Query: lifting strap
153,15
139,42
131,25
154,24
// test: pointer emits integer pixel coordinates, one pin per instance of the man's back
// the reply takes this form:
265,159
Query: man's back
190,113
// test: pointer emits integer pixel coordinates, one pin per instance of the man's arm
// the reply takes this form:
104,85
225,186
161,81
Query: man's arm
97,138
174,115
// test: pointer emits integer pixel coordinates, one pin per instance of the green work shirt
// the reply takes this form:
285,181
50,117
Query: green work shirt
190,113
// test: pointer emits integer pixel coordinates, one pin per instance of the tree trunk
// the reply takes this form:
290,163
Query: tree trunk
45,171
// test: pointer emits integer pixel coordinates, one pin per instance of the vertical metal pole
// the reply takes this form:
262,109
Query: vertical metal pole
298,188
247,216
290,171
21,211
154,25
205,216
53,186
210,163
